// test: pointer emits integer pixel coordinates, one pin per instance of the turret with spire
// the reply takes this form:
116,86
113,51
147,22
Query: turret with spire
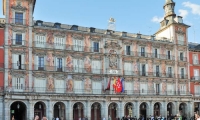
169,9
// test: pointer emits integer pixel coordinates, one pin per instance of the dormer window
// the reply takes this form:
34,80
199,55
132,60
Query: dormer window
74,27
39,23
92,30
57,25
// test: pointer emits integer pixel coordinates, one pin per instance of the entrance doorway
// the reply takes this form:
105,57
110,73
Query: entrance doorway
128,110
59,111
143,110
96,111
18,111
40,110
112,110
78,111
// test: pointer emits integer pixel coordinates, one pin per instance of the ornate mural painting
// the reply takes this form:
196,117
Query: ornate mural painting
9,79
150,85
87,64
87,44
136,86
149,49
50,83
163,67
164,87
10,36
69,85
113,59
69,63
69,41
135,67
12,3
135,49
150,67
50,61
50,39
87,85
10,58
27,82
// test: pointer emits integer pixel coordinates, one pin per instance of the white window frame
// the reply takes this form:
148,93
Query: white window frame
40,40
197,60
18,84
14,38
59,42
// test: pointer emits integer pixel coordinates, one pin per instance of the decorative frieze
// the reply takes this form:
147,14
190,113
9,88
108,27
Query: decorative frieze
77,37
156,45
97,39
40,32
18,50
60,34
142,43
18,74
19,7
125,42
112,44
19,29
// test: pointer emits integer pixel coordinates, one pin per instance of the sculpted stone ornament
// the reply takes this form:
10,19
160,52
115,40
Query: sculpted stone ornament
113,59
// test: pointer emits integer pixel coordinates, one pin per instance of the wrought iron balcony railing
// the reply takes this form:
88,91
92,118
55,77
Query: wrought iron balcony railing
153,74
67,69
59,46
46,90
195,78
18,21
182,76
196,62
16,42
129,53
184,59
18,66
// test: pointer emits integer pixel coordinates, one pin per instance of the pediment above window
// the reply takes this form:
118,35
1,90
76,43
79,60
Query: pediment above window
19,7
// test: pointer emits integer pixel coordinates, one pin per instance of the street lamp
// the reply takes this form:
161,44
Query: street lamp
169,106
18,106
40,106
58,106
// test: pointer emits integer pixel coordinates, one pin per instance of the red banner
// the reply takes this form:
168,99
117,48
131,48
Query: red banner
117,86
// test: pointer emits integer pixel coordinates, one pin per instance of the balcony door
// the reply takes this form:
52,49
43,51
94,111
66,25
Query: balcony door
78,45
40,85
18,84
96,87
96,69
59,84
196,74
78,87
129,87
18,61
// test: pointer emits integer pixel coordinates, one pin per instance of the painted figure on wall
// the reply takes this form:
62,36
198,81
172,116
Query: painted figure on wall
50,61
27,59
27,81
50,84
12,3
135,48
87,85
50,38
164,87
149,49
9,79
136,86
10,36
150,85
135,67
69,42
162,52
163,67
150,67
87,44
69,85
113,59
87,64
69,63
10,58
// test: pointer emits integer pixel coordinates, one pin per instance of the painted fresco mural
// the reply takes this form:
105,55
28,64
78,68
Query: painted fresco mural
27,82
150,67
69,84
163,67
87,64
150,85
135,48
87,85
135,67
50,83
164,87
50,61
87,44
69,63
50,39
149,49
9,79
69,41
136,86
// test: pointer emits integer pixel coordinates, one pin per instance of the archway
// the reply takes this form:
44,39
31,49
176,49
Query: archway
112,111
197,108
183,109
156,109
128,109
59,111
96,111
40,109
78,111
170,110
18,110
143,110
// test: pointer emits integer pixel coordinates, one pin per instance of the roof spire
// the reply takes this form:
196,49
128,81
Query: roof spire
169,8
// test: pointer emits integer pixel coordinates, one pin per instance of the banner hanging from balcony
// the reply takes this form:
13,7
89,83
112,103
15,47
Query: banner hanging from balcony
117,85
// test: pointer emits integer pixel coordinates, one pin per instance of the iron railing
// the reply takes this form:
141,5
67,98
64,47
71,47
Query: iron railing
18,21
46,90
16,42
195,78
18,66
184,59
59,46
182,76
196,62
152,74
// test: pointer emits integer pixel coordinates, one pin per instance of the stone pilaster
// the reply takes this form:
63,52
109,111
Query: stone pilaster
69,111
151,107
88,113
7,111
121,110
50,110
31,109
137,110
105,110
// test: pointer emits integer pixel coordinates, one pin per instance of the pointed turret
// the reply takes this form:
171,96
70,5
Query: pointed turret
169,9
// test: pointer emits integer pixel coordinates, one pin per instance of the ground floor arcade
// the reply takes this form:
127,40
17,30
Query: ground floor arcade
95,108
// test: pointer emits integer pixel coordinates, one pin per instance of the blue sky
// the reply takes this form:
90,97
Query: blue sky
131,15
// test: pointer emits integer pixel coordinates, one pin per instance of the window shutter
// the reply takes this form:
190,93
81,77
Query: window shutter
125,51
14,38
36,63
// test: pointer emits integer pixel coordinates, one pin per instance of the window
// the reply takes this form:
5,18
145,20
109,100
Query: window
182,73
18,39
128,50
157,71
78,45
59,64
78,65
180,39
18,83
143,70
40,41
39,24
196,74
157,88
95,46
156,53
142,51
170,72
57,26
181,56
18,61
195,59
96,67
197,90
127,69
59,43
19,18
40,63
168,55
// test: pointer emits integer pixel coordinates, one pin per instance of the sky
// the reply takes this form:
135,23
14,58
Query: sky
132,16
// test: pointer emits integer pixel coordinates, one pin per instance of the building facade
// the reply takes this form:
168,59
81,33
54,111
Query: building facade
194,55
68,71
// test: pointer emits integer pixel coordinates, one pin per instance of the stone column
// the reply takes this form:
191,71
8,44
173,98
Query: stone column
190,109
106,110
121,110
88,110
49,110
31,109
7,110
177,107
151,108
70,111
137,110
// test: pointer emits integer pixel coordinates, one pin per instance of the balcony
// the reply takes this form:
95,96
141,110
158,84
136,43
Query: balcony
129,53
182,43
44,90
18,66
184,59
196,94
16,42
67,69
18,21
150,74
182,76
196,62
59,46
195,79
170,75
